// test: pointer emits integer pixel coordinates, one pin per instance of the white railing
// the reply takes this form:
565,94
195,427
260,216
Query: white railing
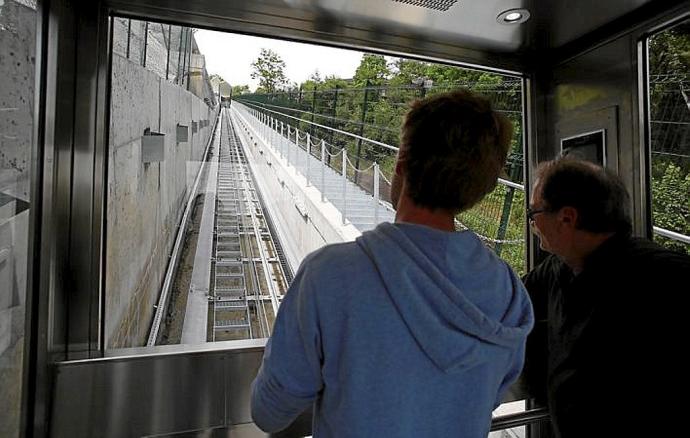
273,132
286,137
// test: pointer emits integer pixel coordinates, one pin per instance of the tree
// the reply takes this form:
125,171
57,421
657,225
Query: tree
240,89
372,68
269,68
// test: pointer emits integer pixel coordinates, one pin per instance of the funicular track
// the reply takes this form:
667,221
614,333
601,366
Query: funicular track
247,277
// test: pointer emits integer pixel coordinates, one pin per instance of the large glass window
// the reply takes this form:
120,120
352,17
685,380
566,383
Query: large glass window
205,228
17,55
669,118
204,231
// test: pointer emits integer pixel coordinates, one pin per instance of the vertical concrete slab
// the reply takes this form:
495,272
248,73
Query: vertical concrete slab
145,201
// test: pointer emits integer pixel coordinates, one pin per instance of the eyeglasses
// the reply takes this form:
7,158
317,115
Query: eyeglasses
531,212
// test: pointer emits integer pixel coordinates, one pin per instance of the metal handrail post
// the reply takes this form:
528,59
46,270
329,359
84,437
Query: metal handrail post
286,143
308,156
376,193
323,170
296,148
282,126
344,185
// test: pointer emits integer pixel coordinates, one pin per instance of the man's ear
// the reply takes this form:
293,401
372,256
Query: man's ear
568,216
400,163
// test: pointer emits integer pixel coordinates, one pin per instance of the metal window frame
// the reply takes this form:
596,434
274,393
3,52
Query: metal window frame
67,184
667,22
70,183
69,176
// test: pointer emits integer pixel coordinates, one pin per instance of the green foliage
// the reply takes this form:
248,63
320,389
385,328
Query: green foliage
485,220
669,64
238,90
671,202
372,68
669,52
269,67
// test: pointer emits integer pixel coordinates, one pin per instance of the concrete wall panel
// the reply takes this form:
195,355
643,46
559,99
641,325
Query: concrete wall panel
145,200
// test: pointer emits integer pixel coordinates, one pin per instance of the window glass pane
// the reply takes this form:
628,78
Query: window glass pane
17,55
251,220
669,101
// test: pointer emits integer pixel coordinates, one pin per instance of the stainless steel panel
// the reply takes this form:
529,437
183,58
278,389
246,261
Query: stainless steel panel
565,23
83,333
596,90
171,390
241,370
467,33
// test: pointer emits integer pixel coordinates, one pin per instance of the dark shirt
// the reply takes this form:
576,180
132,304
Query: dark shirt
608,342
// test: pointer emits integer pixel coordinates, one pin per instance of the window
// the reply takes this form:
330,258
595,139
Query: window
176,161
669,119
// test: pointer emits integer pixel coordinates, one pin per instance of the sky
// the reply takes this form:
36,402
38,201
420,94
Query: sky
230,56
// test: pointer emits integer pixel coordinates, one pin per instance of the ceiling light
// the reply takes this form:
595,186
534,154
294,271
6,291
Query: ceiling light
513,16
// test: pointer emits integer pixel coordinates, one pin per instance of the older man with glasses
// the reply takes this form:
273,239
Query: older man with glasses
603,352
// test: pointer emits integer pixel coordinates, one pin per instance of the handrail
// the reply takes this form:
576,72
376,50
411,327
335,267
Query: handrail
358,137
671,234
245,103
519,419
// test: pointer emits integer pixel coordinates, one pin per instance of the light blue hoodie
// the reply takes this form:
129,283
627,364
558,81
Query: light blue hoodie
407,332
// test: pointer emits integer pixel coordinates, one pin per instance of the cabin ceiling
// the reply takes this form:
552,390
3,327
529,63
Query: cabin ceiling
465,30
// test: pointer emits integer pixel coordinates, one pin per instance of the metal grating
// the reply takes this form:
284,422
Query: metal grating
438,5
248,283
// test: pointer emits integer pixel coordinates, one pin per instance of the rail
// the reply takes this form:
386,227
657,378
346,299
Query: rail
671,234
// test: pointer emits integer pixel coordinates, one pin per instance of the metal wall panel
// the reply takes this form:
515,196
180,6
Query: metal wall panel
175,389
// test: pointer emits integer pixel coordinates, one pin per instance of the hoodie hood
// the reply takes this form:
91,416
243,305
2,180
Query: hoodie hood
427,291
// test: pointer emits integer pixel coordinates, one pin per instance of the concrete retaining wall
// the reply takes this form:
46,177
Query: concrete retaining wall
145,200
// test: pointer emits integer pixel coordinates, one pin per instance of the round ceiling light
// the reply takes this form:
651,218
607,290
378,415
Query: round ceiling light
513,16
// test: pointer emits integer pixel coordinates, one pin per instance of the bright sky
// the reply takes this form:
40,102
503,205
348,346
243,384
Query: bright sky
230,56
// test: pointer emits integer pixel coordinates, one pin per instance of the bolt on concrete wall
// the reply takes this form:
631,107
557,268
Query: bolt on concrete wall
145,200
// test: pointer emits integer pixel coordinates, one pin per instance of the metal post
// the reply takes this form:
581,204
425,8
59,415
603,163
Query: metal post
376,193
281,139
179,55
308,156
361,127
313,104
334,114
288,143
167,60
146,43
129,34
505,212
184,58
344,185
323,170
272,133
297,148
189,54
